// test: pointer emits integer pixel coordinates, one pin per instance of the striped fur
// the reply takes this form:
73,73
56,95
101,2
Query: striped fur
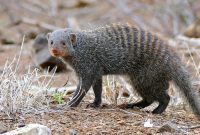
123,49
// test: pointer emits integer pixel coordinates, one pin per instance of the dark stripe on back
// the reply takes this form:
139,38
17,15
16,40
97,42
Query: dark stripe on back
135,40
154,46
129,34
160,46
98,39
142,43
108,31
125,35
165,53
115,34
145,44
121,36
148,44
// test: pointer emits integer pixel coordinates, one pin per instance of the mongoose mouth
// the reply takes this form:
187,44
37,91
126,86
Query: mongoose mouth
57,54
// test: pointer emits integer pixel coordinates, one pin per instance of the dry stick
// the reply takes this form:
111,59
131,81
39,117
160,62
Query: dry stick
191,127
47,72
33,22
53,7
51,78
66,82
129,112
39,24
34,10
123,7
62,85
16,68
192,59
31,8
39,4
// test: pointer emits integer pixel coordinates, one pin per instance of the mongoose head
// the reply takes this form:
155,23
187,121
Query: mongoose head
61,42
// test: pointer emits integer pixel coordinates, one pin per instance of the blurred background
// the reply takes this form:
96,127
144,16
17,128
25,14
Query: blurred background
167,17
35,18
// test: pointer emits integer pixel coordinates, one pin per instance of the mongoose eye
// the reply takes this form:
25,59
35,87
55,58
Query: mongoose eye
63,43
51,42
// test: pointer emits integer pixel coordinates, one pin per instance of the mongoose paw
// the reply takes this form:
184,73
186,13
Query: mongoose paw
148,112
94,105
130,106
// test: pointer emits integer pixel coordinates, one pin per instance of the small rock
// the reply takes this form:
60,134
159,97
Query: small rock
57,107
169,127
2,129
31,34
31,129
68,4
6,41
123,106
73,132
193,30
148,123
122,123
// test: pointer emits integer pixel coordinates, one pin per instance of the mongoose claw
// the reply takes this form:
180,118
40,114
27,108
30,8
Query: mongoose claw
148,112
94,105
130,106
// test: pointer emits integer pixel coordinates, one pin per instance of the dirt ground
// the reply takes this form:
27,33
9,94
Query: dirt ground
63,120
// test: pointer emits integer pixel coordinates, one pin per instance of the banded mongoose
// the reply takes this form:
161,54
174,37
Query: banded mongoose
123,49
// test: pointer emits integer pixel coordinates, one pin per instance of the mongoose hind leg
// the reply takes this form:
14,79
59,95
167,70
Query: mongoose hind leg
141,104
161,95
163,102
150,92
97,88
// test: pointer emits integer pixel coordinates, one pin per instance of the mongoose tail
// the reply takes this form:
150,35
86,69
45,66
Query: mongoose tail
182,80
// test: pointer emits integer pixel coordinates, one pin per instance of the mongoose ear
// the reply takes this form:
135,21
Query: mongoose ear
48,35
73,38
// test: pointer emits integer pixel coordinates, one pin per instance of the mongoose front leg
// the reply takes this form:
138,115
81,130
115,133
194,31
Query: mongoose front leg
97,88
81,90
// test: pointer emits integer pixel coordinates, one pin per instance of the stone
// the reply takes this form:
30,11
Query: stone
31,129
3,129
168,127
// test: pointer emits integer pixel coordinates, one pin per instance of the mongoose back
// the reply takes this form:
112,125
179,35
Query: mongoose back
123,49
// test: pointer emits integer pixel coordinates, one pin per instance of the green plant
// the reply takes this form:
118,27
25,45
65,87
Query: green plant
59,99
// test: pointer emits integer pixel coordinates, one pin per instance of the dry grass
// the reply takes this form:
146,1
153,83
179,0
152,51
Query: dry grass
19,93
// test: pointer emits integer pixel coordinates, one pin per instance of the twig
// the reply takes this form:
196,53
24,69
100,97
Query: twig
190,127
128,112
17,67
39,4
31,8
39,24
32,22
192,59
53,7
66,82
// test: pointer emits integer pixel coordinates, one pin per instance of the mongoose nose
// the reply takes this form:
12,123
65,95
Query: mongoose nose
55,51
